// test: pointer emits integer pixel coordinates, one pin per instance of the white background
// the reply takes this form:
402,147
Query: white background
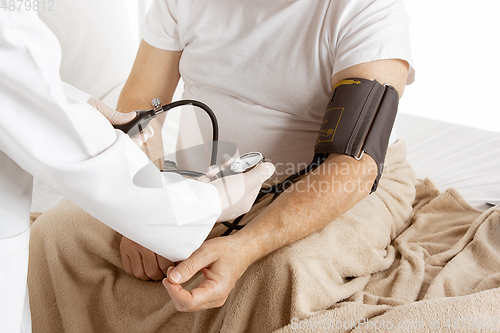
456,49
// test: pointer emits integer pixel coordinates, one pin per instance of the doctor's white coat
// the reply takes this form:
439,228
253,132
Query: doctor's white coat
73,148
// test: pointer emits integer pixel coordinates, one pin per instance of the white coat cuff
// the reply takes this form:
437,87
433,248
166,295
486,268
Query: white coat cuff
75,93
207,196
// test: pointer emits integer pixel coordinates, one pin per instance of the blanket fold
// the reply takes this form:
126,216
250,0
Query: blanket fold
445,276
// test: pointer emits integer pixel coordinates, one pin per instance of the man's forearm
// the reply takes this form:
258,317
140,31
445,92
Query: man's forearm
310,204
155,74
335,187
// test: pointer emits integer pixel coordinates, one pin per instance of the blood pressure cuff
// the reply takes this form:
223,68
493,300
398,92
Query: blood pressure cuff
358,120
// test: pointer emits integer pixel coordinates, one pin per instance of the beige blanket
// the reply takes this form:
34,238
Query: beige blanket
445,278
384,266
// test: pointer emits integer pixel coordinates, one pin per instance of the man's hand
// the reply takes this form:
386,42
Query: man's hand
141,262
222,261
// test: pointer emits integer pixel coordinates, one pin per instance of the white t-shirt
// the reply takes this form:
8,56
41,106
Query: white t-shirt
265,66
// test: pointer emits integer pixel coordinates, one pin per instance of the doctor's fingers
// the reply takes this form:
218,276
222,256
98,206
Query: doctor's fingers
114,117
258,175
213,170
119,118
141,138
240,204
243,187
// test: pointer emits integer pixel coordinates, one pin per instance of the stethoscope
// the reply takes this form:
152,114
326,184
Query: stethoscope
241,164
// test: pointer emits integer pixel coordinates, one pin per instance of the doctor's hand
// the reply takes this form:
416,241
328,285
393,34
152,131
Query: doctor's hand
222,261
142,263
238,192
114,117
119,118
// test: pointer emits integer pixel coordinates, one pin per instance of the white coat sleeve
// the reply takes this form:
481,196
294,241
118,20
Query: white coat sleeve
76,93
74,149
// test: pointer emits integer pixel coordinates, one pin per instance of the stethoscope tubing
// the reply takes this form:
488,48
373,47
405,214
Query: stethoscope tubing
213,118
275,189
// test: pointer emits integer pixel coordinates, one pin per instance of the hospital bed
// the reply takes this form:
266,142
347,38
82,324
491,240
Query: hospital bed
451,155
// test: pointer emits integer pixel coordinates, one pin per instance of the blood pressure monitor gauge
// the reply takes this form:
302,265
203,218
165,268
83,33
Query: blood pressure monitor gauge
246,162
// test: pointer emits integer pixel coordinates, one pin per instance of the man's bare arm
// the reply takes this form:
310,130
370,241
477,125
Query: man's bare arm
305,209
155,74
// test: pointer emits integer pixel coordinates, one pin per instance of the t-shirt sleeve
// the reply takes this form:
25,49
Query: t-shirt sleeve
370,30
160,29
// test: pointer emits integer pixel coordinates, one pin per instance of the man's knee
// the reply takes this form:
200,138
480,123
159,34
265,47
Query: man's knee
51,224
64,222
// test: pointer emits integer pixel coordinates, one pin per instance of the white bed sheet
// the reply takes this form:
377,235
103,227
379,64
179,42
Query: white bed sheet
465,158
